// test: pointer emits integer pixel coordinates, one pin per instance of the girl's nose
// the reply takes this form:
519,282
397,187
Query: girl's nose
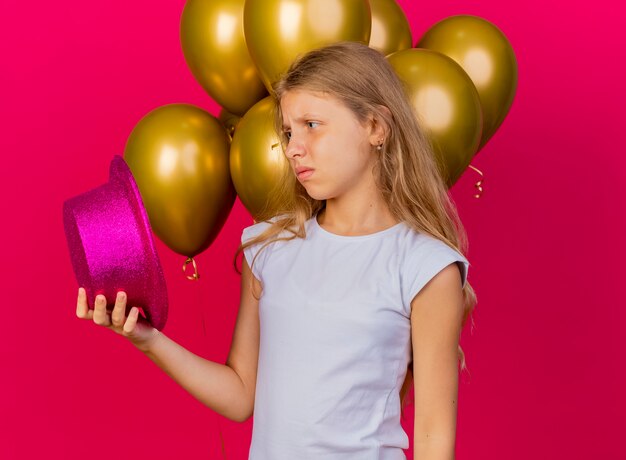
295,147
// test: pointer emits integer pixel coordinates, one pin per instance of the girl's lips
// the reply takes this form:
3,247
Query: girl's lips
305,174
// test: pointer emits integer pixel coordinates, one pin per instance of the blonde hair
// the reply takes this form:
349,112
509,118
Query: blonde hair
406,170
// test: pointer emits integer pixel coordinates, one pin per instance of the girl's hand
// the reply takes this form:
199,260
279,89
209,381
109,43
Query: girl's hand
133,327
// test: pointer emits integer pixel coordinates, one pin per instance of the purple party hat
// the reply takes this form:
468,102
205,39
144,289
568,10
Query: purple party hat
111,246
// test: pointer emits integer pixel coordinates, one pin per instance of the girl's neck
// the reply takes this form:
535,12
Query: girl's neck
354,220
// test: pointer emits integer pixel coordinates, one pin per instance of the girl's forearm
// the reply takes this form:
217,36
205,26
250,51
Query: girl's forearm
216,385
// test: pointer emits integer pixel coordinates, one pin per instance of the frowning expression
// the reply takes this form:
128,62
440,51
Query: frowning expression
328,148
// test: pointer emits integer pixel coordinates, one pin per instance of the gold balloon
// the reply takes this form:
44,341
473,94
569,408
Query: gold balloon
211,34
178,154
486,56
390,28
277,31
447,106
229,121
257,161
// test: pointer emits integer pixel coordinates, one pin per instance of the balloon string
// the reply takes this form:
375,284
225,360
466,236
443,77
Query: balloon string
195,275
478,184
222,444
231,132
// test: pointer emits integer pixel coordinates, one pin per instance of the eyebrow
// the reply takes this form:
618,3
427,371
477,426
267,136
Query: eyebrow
306,116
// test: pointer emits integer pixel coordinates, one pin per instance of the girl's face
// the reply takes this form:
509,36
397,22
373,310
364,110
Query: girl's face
325,138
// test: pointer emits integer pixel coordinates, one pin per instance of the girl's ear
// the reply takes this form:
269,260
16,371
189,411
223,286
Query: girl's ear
379,127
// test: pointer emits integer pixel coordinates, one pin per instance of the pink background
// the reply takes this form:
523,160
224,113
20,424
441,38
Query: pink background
547,242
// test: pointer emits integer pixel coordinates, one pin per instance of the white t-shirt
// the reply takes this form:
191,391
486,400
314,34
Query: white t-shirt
336,340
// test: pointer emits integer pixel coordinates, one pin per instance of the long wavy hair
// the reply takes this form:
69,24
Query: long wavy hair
406,171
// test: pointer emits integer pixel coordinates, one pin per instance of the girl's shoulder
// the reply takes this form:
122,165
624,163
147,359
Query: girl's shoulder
423,257
414,240
262,248
257,228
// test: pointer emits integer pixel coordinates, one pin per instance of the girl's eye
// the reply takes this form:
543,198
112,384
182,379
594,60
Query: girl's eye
312,123
287,134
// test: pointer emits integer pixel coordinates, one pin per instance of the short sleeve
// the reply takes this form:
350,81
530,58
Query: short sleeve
424,263
250,252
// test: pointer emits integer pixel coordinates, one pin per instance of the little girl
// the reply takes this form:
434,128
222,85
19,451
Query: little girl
353,280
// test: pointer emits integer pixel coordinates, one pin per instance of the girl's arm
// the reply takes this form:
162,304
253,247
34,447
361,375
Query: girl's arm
436,319
227,388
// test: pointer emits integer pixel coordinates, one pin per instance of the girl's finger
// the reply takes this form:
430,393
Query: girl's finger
131,321
119,310
100,315
82,309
